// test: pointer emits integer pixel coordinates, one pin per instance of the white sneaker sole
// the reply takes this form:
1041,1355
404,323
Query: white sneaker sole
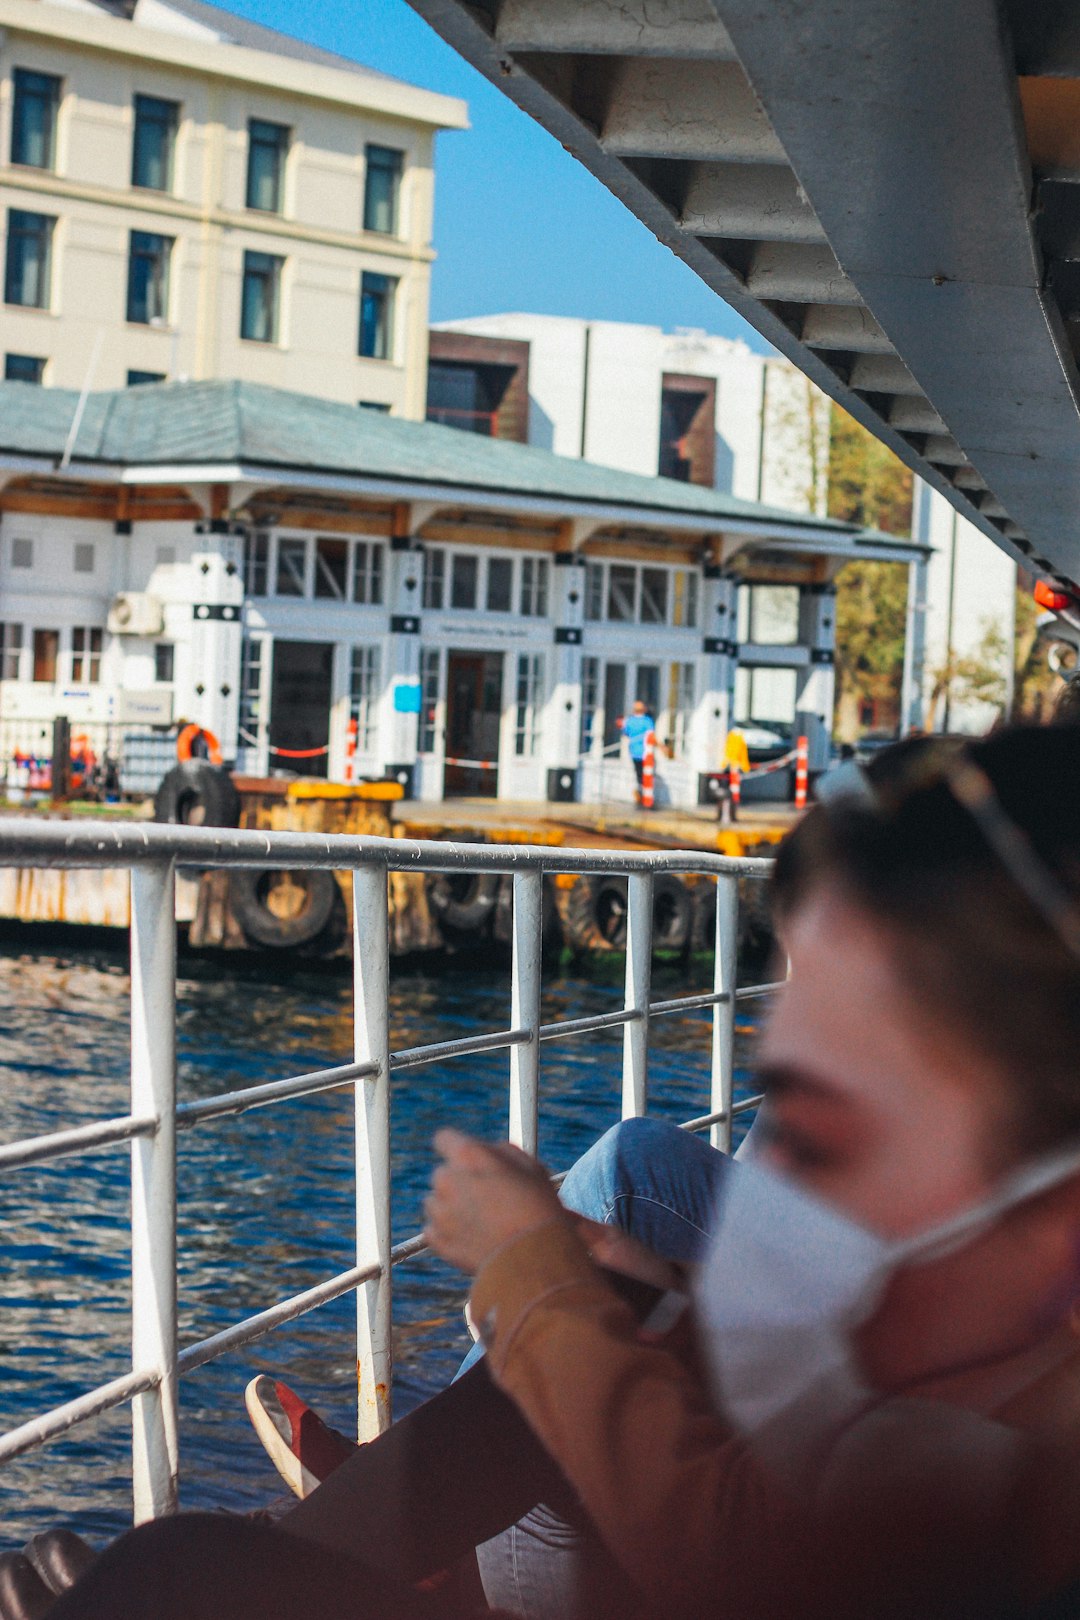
299,1479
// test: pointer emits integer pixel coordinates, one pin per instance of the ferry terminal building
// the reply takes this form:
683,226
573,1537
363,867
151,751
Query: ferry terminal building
334,591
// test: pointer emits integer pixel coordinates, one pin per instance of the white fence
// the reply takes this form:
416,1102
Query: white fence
153,855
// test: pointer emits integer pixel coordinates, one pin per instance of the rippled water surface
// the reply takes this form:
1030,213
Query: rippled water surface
265,1201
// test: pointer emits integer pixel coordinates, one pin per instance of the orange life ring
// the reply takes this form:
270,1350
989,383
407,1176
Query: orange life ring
185,744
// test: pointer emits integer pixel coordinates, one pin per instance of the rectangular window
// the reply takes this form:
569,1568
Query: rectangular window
647,688
164,662
377,316
590,702
364,696
463,578
256,562
768,614
137,379
11,641
28,265
382,188
680,709
367,573
429,700
22,554
46,649
33,119
684,613
765,696
261,297
527,714
622,587
654,595
154,143
434,578
292,567
148,277
534,587
84,557
332,569
85,656
23,368
250,706
500,585
268,145
594,590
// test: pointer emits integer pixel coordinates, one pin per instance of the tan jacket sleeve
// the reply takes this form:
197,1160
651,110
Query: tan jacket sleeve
676,1496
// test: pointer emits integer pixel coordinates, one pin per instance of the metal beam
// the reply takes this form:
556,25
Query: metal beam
927,211
758,201
683,109
687,28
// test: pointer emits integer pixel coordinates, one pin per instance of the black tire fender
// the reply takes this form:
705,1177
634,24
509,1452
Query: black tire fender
673,913
463,902
248,889
197,794
596,913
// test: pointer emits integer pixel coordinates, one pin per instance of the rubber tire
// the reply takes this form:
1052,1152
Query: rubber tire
192,785
463,903
596,914
259,923
673,913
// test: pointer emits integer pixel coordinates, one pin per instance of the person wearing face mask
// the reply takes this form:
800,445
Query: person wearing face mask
872,1405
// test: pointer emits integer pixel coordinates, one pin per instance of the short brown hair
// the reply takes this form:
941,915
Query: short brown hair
969,943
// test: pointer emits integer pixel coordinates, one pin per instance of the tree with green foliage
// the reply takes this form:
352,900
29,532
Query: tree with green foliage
870,486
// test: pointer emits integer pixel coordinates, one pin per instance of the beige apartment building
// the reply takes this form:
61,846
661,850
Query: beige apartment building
185,194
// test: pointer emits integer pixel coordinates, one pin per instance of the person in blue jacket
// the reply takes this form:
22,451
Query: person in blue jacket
636,728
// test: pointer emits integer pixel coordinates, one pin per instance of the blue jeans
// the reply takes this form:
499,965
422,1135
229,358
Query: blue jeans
660,1185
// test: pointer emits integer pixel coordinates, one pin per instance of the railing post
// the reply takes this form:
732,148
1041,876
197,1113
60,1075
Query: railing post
639,909
371,1018
525,1010
723,1029
154,1445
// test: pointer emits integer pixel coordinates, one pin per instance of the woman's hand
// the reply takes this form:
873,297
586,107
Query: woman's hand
611,1247
482,1196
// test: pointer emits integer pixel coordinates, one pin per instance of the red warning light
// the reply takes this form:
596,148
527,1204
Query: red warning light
1047,596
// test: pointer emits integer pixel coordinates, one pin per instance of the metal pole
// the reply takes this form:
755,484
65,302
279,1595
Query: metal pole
371,951
639,895
525,1010
723,1029
154,1446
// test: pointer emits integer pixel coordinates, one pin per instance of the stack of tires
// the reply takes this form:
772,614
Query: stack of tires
274,910
595,916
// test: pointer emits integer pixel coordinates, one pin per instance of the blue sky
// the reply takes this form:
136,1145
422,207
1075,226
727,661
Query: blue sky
519,224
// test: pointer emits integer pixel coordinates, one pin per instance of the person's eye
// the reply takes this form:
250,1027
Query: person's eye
795,1149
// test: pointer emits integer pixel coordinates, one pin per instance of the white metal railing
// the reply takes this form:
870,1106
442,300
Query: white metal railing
153,854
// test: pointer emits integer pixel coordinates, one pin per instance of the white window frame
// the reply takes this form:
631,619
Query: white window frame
364,691
431,689
681,701
367,569
13,645
256,541
303,540
535,587
85,652
528,704
252,695
433,587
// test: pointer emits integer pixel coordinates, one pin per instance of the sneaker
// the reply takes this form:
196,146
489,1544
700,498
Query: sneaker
302,1448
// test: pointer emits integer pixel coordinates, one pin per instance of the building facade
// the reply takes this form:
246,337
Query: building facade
185,194
712,411
335,592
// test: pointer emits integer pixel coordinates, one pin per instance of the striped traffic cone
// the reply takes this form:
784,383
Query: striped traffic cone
802,754
648,773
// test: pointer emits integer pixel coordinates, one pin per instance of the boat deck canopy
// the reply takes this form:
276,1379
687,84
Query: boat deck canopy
890,193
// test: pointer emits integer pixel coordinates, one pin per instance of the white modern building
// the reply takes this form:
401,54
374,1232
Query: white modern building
329,590
186,194
713,411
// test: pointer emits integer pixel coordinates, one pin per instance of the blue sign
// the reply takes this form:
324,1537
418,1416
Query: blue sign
406,697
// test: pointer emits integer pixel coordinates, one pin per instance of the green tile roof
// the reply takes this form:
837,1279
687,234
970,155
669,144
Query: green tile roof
206,423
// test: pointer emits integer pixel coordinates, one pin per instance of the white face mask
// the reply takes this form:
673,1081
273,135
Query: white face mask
786,1282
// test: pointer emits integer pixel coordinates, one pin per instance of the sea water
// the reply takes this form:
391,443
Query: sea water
265,1200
